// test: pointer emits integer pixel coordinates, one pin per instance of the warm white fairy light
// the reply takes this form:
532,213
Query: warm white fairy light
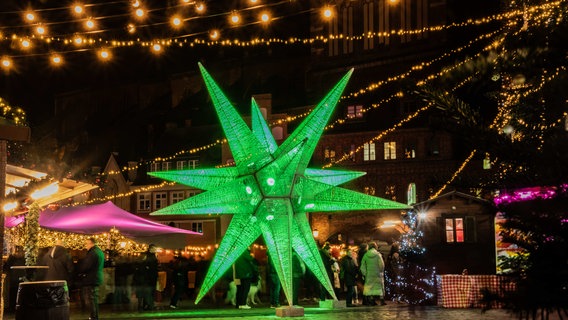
139,12
200,7
176,21
90,23
214,34
40,30
30,16
157,48
104,54
56,60
78,9
235,18
26,44
265,17
131,28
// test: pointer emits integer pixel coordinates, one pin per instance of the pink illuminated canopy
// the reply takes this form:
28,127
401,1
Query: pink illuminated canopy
100,218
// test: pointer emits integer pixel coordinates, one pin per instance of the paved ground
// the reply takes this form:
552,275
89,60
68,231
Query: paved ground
188,310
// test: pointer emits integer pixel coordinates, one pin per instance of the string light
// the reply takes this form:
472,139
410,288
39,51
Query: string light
104,54
6,62
176,21
41,30
78,9
235,18
90,23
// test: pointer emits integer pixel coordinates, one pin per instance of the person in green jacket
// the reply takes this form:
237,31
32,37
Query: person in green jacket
91,276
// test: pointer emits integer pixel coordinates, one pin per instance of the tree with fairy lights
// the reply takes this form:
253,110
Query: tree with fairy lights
408,278
510,110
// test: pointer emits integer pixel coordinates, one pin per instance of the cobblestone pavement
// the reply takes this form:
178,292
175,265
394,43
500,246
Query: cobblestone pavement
391,311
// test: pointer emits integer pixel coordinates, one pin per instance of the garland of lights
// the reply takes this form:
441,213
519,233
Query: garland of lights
14,115
31,234
157,46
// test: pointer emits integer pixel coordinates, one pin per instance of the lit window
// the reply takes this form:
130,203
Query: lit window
454,230
197,226
369,152
180,165
411,194
177,196
355,112
329,154
166,166
390,150
143,202
160,200
191,164
410,150
487,162
154,166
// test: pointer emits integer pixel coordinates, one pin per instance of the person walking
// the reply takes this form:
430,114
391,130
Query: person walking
348,276
363,247
59,263
245,270
328,260
145,278
373,268
91,276
180,280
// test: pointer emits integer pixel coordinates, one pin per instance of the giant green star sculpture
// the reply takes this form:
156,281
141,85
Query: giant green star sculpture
270,190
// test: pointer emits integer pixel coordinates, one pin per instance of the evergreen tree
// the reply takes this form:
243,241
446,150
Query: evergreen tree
512,109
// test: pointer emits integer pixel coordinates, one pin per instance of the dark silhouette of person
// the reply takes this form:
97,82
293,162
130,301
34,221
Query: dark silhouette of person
145,278
91,276
246,269
180,267
59,263
15,259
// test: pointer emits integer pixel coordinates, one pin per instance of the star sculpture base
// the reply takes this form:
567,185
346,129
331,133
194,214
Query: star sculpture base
332,304
290,311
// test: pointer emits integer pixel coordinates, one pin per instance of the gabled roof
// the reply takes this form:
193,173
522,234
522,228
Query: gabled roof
453,194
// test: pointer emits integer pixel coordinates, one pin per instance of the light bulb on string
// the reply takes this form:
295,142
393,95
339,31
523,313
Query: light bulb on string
131,28
26,44
235,18
6,62
327,12
214,34
78,9
176,21
157,48
104,54
139,13
56,60
90,24
29,16
265,17
200,7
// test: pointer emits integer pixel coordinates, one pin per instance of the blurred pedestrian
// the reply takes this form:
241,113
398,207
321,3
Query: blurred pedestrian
180,280
348,275
328,260
245,271
15,276
373,268
59,263
91,276
145,278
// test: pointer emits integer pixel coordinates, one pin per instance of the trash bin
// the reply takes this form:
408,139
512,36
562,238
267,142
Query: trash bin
43,300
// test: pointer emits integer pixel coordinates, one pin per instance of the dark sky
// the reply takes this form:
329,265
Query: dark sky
33,83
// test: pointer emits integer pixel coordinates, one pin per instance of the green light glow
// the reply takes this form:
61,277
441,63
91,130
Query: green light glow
270,190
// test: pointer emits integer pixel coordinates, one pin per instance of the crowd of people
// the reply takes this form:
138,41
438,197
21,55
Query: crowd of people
357,276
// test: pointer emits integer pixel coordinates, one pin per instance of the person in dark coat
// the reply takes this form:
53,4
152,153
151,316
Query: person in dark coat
91,276
180,281
145,278
348,276
246,270
15,259
59,263
325,253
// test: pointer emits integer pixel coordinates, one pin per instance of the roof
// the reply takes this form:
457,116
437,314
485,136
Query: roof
453,194
18,177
